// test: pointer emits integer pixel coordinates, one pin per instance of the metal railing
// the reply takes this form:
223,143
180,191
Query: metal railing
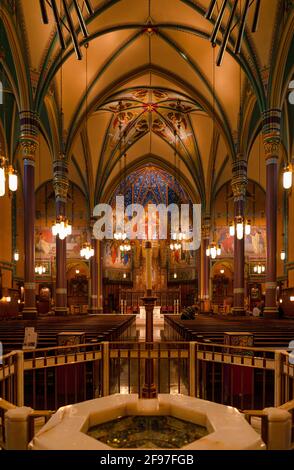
247,378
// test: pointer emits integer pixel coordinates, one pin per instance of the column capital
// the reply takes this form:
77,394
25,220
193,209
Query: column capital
239,179
60,177
29,132
205,227
271,130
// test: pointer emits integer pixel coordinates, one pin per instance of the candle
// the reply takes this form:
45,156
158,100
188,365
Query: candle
148,247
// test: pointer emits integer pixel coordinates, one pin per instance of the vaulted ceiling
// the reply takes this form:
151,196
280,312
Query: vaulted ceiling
150,67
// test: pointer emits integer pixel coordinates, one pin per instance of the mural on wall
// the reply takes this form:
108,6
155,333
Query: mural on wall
112,257
255,243
181,258
45,246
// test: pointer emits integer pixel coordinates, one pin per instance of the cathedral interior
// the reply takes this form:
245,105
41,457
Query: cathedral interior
172,107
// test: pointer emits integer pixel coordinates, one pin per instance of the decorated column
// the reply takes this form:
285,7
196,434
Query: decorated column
100,275
94,268
239,187
29,130
271,139
205,266
61,185
149,389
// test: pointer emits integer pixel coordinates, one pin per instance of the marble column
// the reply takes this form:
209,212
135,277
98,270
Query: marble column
271,139
61,185
205,266
239,187
29,130
94,269
100,275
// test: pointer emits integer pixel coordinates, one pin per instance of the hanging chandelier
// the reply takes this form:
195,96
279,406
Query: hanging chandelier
259,269
175,246
61,228
7,169
213,250
288,177
125,247
119,235
40,269
240,226
177,239
87,251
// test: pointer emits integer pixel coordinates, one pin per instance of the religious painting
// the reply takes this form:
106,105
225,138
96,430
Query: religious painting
255,243
182,258
45,244
113,258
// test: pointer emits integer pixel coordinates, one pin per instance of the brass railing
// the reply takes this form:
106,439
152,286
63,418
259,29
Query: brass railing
248,378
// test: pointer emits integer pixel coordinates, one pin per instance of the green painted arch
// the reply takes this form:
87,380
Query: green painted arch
61,58
17,66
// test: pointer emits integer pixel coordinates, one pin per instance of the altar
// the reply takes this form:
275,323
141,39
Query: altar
156,313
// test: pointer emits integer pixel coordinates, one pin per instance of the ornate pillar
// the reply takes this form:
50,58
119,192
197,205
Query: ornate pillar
205,266
100,275
93,308
272,140
61,185
29,130
239,187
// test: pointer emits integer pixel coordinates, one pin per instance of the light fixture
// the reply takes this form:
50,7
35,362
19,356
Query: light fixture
248,227
240,228
120,236
125,247
40,269
16,255
87,251
175,246
222,271
259,269
281,301
283,255
77,271
213,250
232,229
61,228
288,177
5,166
292,298
175,275
6,169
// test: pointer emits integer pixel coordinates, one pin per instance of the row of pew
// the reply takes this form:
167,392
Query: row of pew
96,328
267,333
